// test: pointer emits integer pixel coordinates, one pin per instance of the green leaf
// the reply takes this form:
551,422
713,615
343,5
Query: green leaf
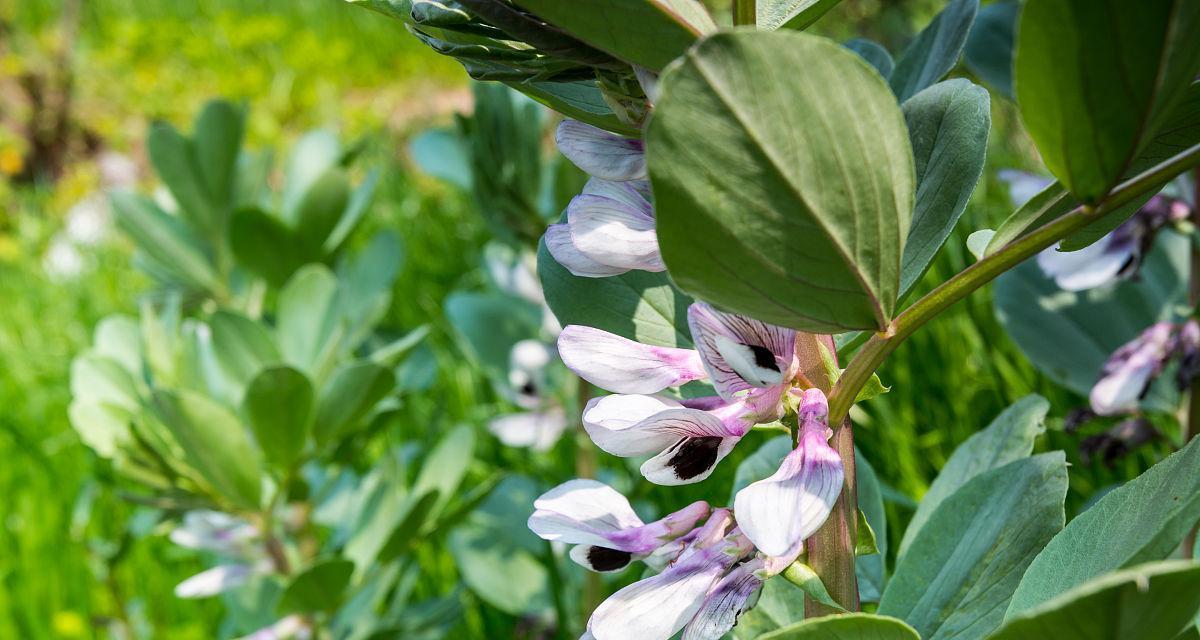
580,100
989,50
948,125
850,626
1009,437
762,463
871,569
1088,134
311,157
166,241
935,51
977,242
490,325
1068,336
781,211
317,588
497,557
278,406
638,305
388,515
265,245
174,158
102,426
418,511
214,444
353,214
243,347
1144,519
218,141
308,329
873,53
810,583
321,208
650,33
444,467
351,393
873,388
1152,601
793,14
442,153
98,378
957,575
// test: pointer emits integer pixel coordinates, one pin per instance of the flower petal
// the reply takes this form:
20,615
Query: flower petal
600,153
634,193
658,607
624,366
688,461
582,512
1087,268
613,233
211,582
538,430
725,603
652,434
1129,371
740,353
600,559
562,247
783,510
1022,185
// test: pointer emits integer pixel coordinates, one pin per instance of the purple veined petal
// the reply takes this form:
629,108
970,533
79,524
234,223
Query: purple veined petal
216,580
1090,267
783,510
621,365
537,430
740,353
638,543
621,411
611,232
727,600
634,193
652,434
658,607
1129,371
563,249
600,153
582,512
1022,185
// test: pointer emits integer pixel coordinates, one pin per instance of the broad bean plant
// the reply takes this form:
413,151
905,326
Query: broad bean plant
759,206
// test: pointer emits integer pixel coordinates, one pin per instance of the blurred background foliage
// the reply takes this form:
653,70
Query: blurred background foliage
79,78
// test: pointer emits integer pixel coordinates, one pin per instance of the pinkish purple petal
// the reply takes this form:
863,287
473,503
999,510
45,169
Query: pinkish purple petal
624,366
727,600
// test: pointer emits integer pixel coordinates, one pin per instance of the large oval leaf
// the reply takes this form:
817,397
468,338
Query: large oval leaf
851,626
278,405
948,125
1149,602
1140,521
956,577
794,204
650,33
1091,107
1068,336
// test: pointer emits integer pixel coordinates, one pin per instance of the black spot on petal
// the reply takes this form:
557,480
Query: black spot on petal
602,559
763,357
694,456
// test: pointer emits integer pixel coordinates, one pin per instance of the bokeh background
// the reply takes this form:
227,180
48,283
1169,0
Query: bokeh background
80,80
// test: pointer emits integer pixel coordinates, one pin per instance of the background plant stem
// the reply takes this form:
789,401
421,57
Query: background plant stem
1192,425
585,467
745,12
879,346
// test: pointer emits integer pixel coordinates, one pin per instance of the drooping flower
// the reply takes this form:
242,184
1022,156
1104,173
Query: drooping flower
1128,372
780,512
1118,254
609,228
543,421
599,521
750,364
235,541
708,574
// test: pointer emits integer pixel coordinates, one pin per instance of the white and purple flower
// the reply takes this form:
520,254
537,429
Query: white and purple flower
609,228
1126,376
235,540
543,420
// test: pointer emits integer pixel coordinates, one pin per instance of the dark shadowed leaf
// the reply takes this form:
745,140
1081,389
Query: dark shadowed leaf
989,50
782,211
317,588
351,393
935,51
871,569
873,53
490,325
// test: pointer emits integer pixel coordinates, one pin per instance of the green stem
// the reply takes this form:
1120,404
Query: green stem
879,346
1192,425
745,13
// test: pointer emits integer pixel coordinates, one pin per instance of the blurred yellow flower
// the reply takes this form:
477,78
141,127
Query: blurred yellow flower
69,624
11,162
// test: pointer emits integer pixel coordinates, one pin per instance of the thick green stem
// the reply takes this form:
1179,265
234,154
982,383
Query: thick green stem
745,12
879,346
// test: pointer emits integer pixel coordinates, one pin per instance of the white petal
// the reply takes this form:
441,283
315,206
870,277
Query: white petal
1087,268
688,461
740,353
213,581
658,607
582,512
621,411
724,603
786,508
600,153
1022,185
613,233
633,193
538,430
624,366
562,247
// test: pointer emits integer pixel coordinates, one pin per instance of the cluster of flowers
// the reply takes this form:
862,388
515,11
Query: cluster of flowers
708,573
